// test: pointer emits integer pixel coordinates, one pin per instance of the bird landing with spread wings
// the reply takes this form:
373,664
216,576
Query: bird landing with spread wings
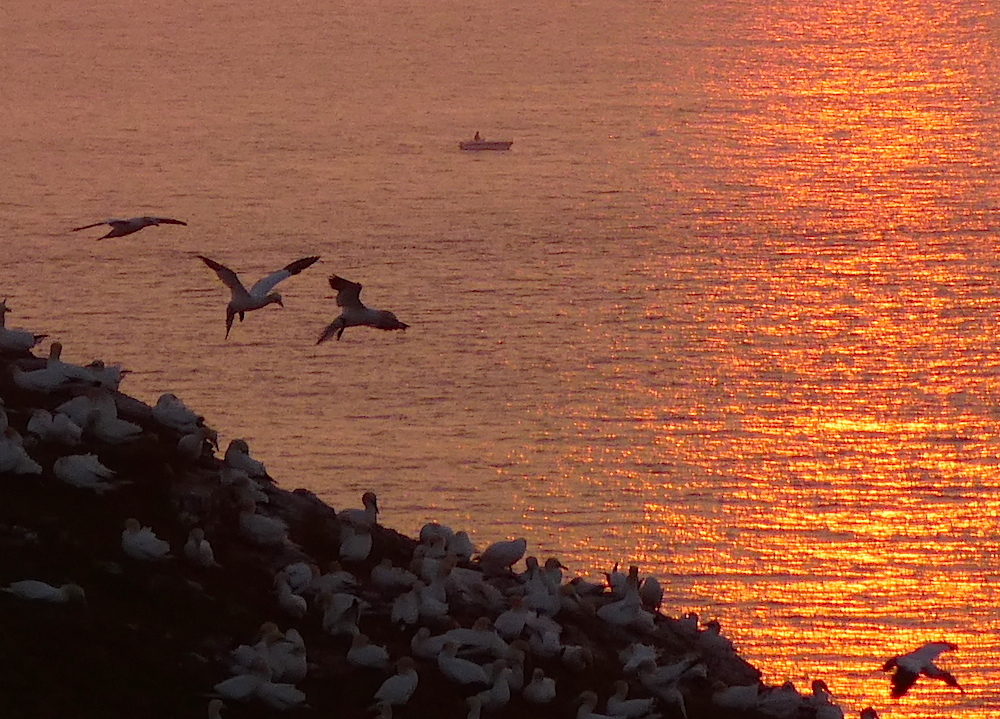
920,661
258,296
120,228
354,313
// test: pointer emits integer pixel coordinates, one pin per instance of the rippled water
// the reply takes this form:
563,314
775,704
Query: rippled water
727,309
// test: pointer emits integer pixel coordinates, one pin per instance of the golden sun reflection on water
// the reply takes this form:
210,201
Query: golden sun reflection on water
841,452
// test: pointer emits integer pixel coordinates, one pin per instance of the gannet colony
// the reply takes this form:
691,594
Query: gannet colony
145,573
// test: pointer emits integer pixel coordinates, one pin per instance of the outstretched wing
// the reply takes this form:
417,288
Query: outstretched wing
902,680
96,224
348,293
167,221
930,651
268,283
227,276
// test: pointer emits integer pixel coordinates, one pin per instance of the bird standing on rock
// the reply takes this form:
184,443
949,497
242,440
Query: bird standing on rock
13,340
499,557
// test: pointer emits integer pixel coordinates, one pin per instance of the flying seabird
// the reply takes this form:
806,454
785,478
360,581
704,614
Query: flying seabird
120,228
355,314
920,661
260,294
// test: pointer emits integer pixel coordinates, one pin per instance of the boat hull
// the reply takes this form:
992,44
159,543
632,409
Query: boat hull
479,145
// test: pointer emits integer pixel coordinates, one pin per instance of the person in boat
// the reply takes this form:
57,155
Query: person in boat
477,138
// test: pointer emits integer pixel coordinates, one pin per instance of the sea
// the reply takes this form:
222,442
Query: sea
726,310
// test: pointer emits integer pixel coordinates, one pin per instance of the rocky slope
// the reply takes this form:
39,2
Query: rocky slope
154,637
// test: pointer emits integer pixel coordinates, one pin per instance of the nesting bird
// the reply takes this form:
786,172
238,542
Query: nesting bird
36,591
499,557
14,340
198,550
397,689
141,543
84,471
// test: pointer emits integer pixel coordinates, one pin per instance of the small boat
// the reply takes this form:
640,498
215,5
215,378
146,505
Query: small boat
477,143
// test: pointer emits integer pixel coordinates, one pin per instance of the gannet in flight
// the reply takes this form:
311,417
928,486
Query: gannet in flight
120,228
260,294
920,661
355,314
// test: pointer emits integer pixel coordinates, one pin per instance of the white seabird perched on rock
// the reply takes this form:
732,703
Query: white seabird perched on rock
171,412
588,702
198,550
48,380
215,707
336,579
822,702
541,689
355,543
120,228
461,545
742,697
354,313
782,702
425,646
620,705
340,613
14,340
258,296
634,655
499,557
286,654
397,689
108,376
651,593
367,655
37,591
105,425
510,623
292,603
432,530
242,687
261,529
498,694
258,684
238,457
910,666
141,543
480,637
627,612
193,445
458,670
14,458
56,428
388,578
361,517
84,471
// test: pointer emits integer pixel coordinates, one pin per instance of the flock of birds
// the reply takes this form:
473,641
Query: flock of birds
353,312
520,611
